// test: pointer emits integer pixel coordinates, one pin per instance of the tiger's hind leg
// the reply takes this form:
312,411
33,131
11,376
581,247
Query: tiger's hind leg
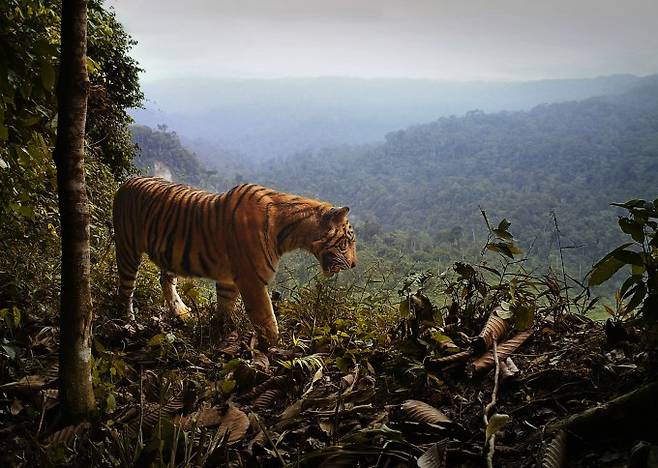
174,303
127,264
222,322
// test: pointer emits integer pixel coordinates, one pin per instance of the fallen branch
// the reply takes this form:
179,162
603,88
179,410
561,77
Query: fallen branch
490,439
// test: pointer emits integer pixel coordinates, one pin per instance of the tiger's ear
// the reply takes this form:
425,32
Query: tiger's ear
335,216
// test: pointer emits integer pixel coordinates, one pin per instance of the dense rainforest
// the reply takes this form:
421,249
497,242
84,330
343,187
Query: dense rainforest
30,44
465,336
419,195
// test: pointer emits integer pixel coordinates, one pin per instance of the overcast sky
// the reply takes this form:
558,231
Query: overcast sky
438,39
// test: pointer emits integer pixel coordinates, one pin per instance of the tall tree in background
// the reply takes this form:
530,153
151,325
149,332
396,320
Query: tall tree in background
76,309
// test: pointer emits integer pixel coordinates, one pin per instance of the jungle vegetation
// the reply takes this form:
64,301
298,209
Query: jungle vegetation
418,197
480,237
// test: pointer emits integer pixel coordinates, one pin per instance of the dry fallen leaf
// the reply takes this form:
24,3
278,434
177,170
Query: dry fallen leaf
435,456
422,412
292,411
16,407
506,348
555,452
260,360
496,423
27,383
229,419
267,399
234,422
495,326
67,434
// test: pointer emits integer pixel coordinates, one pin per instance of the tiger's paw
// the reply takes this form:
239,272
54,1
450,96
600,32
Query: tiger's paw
184,314
180,311
267,337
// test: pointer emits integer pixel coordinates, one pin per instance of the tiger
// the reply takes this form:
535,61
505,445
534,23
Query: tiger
235,238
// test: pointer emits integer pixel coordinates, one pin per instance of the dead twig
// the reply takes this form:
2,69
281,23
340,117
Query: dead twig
269,438
491,442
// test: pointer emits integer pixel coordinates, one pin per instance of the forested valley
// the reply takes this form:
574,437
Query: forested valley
417,198
504,310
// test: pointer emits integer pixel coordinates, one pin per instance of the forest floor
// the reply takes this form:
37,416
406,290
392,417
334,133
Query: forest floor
355,391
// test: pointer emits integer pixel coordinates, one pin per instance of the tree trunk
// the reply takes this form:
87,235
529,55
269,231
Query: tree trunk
76,309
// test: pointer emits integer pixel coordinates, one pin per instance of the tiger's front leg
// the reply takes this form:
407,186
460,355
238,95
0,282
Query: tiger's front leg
174,303
260,312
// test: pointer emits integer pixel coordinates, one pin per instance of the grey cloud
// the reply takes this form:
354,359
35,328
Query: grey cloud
469,39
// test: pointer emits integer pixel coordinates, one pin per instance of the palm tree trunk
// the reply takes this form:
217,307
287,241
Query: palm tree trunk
76,308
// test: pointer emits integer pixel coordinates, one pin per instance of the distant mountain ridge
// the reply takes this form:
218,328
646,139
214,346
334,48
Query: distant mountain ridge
275,118
431,180
573,158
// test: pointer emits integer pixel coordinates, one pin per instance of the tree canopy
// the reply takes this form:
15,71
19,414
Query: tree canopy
29,53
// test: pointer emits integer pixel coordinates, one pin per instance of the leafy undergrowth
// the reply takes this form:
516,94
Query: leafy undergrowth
362,377
364,386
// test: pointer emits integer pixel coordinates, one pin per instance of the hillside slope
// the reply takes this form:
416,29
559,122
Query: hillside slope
161,153
277,117
574,158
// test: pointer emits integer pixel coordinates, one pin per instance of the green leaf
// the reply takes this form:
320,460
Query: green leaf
603,271
504,225
92,66
639,291
612,253
156,340
16,315
633,228
47,72
120,367
343,364
524,315
411,346
26,211
464,270
228,386
110,402
629,257
98,346
441,338
404,308
492,270
630,281
505,248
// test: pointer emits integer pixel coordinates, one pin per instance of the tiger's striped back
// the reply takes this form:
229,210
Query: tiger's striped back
172,223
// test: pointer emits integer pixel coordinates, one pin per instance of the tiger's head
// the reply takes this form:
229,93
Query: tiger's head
336,248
